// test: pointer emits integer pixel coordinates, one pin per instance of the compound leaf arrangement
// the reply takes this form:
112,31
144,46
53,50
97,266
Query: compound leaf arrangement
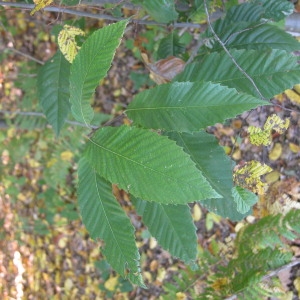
165,159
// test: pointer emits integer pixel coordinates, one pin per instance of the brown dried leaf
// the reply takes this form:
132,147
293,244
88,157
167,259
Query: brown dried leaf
164,70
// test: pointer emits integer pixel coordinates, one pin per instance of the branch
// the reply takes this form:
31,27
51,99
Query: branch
97,16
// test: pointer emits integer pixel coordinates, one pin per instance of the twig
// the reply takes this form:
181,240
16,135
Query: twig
41,115
229,54
97,16
25,55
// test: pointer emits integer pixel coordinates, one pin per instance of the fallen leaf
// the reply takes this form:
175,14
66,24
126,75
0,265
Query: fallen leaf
197,213
272,177
181,296
66,155
293,96
275,152
294,148
111,283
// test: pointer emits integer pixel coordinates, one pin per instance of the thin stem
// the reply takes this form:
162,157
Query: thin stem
25,55
97,16
228,53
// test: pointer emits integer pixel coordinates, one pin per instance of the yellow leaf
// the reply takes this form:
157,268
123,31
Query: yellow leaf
180,296
66,155
276,123
67,43
272,177
220,283
161,274
297,285
294,148
293,96
111,283
259,137
197,213
297,88
39,4
33,163
152,243
51,162
68,284
275,152
248,176
11,132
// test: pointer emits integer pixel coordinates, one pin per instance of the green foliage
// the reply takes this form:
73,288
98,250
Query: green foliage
241,273
90,65
208,155
170,46
160,10
172,226
166,159
271,70
186,106
53,89
105,219
147,165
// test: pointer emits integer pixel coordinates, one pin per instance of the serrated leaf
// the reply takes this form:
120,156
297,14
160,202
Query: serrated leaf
244,199
172,226
39,4
245,35
208,155
245,12
248,176
273,71
67,43
105,219
147,165
276,9
170,46
90,65
187,106
53,90
161,10
256,10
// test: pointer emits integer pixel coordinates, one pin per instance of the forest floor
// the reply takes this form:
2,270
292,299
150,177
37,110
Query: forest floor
45,251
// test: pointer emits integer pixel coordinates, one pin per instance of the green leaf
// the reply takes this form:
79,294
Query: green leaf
246,12
244,199
149,166
172,226
170,46
245,35
53,90
187,106
276,9
161,10
90,66
209,157
273,71
105,219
